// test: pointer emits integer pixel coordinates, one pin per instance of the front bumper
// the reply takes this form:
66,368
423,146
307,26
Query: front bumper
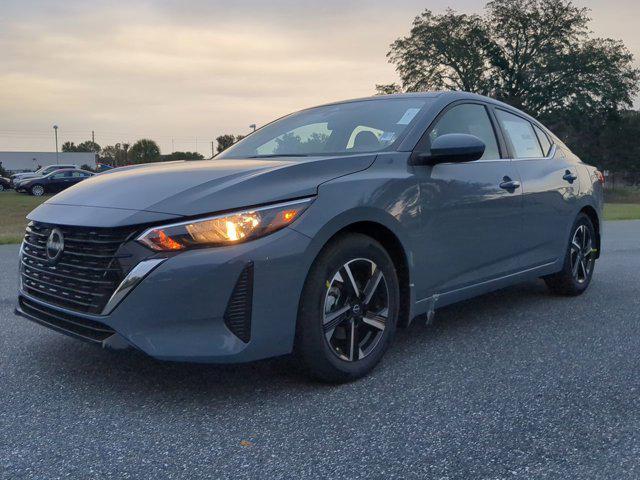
177,311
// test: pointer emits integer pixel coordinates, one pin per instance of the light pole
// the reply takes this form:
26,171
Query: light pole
252,127
55,131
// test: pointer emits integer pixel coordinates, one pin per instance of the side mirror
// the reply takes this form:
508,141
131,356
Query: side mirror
452,148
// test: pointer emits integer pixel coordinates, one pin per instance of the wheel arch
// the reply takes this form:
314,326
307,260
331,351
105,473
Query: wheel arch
592,213
394,247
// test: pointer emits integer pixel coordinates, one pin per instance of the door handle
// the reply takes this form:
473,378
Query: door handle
569,177
509,185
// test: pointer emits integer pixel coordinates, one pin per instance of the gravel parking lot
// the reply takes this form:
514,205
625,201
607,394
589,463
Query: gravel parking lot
515,384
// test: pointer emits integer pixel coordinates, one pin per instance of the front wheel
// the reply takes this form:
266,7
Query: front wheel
37,190
579,262
349,309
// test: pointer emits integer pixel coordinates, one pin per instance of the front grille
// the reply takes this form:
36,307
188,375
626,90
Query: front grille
65,323
86,274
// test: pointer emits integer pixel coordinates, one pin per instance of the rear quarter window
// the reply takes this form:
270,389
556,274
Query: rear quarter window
521,135
545,143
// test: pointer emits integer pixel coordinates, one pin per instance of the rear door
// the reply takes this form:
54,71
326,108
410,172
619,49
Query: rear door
471,212
550,187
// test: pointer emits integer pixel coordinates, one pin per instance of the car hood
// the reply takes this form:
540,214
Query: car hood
190,188
22,176
25,180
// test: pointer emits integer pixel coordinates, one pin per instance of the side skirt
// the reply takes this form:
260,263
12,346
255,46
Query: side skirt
430,304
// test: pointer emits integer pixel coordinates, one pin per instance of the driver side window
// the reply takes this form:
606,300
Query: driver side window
471,119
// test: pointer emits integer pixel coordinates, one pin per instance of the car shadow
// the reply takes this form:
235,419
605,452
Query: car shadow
133,376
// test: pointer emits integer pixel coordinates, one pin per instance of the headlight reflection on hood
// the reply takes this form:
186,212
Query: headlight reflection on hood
226,229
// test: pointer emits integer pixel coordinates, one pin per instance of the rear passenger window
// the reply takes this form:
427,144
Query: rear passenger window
544,141
521,135
471,119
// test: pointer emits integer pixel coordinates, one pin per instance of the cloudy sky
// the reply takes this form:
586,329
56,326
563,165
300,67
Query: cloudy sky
183,72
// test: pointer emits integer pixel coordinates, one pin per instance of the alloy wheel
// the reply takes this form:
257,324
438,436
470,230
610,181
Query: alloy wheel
582,254
356,308
37,190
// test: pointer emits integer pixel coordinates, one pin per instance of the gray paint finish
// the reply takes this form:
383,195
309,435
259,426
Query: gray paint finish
460,232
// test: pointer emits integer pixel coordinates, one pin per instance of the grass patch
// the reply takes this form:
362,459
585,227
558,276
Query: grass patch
622,195
14,207
622,211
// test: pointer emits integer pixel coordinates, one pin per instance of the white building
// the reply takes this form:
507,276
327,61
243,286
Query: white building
16,162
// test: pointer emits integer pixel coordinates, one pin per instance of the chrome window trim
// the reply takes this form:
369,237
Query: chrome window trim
550,156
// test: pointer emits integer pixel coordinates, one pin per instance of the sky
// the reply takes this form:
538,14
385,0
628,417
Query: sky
184,72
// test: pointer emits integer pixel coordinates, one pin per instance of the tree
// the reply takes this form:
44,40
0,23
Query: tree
224,142
447,51
182,156
143,151
537,55
69,147
388,89
114,155
86,146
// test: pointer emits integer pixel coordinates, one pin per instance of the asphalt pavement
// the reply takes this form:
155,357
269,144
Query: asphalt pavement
514,384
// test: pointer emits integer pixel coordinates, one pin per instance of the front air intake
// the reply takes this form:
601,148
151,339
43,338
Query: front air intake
237,316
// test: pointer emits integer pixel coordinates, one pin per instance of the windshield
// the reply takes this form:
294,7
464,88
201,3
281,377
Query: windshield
345,128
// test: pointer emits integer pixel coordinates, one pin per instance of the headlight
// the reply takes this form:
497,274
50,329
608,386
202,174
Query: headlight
227,229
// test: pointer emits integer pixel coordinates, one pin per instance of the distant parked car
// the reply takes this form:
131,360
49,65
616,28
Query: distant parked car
52,183
5,184
40,172
103,167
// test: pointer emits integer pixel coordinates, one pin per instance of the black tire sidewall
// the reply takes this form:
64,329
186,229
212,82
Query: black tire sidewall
582,219
310,342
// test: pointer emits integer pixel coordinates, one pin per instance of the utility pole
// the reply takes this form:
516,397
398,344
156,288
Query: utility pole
55,132
213,152
93,136
196,144
173,147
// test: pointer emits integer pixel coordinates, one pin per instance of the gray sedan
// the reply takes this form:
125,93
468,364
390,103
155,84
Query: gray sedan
317,235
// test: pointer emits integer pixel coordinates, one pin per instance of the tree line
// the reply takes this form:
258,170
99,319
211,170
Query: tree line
539,56
144,150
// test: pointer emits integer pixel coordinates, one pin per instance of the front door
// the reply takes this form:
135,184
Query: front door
58,182
471,212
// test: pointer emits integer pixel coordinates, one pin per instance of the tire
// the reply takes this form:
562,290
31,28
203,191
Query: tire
325,341
579,261
37,190
1,187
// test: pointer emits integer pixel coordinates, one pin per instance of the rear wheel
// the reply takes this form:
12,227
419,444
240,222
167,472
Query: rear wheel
349,309
37,190
1,187
579,262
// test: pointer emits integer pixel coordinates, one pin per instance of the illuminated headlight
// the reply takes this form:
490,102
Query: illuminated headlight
226,229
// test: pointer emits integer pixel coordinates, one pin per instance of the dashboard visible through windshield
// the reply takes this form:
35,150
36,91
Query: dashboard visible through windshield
344,128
